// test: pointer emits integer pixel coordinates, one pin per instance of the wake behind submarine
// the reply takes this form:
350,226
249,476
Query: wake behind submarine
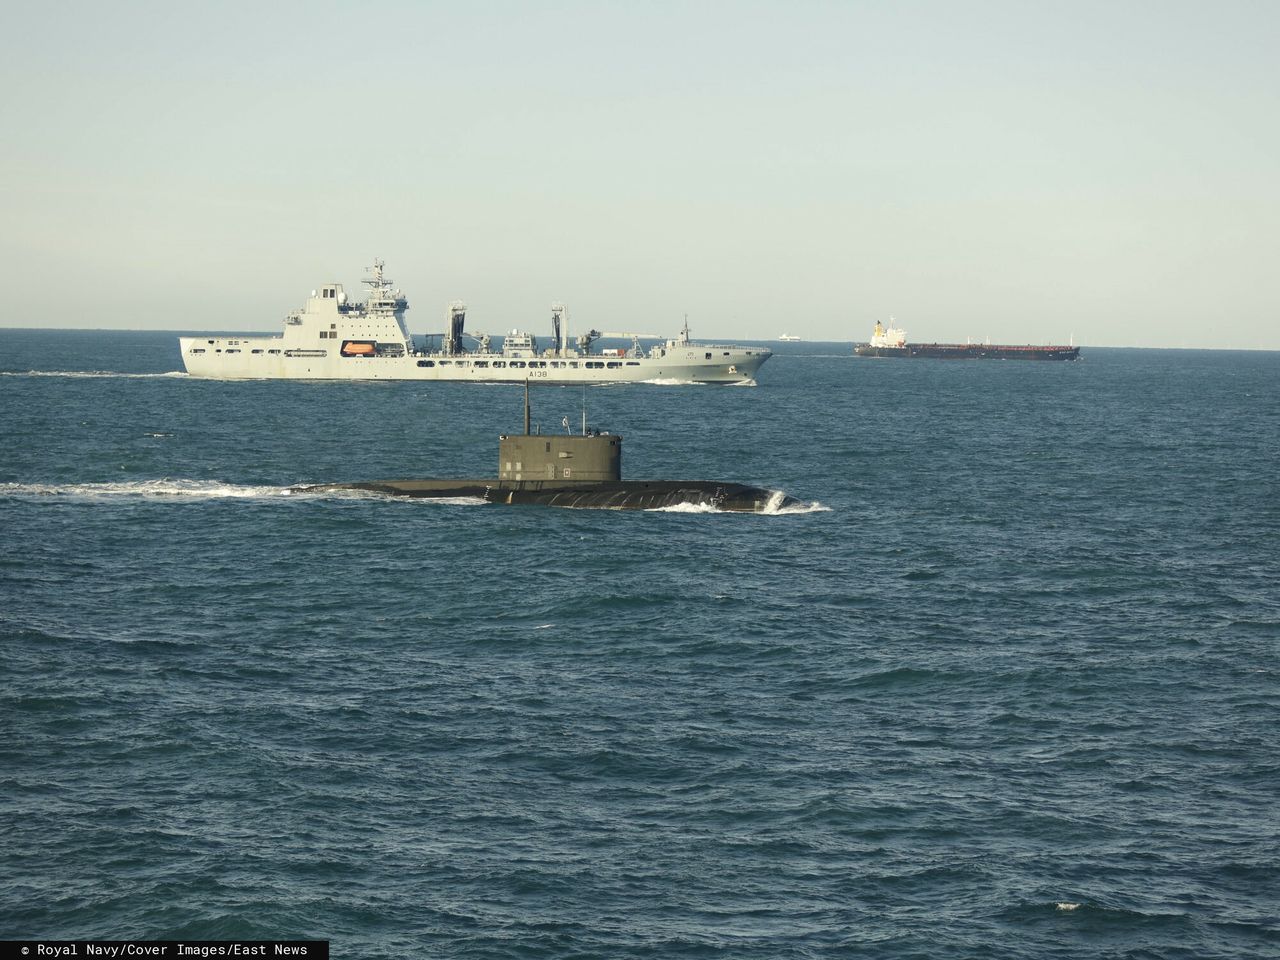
578,471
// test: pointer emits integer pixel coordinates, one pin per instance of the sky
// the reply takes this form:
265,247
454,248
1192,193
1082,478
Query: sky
1031,172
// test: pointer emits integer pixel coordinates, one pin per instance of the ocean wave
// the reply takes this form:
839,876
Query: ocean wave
167,488
796,508
773,508
687,508
180,488
95,374
769,511
163,488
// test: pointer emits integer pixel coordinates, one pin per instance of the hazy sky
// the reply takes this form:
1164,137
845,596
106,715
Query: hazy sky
1027,171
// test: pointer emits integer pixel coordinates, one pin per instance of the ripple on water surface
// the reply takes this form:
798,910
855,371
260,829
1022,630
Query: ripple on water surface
1006,689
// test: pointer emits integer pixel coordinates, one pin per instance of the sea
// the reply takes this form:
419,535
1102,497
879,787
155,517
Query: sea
1005,684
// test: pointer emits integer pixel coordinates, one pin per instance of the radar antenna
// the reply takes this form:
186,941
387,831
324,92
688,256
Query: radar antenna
377,282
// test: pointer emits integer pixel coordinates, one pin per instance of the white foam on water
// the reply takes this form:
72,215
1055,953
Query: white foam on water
1067,906
93,374
774,508
163,488
686,508
446,501
172,488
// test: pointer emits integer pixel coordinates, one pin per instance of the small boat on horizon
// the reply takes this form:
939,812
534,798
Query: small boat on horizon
788,338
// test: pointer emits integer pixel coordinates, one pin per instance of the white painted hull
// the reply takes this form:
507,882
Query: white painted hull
332,338
267,358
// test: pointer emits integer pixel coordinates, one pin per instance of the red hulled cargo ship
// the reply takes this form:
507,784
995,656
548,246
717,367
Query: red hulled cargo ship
892,342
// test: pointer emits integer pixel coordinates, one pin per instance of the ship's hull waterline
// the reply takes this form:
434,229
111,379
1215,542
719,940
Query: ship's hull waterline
608,495
728,365
970,351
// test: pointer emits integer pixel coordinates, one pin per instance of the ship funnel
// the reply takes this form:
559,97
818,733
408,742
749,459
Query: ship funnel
456,320
559,327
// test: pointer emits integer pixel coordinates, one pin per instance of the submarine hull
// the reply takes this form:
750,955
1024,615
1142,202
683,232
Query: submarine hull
601,495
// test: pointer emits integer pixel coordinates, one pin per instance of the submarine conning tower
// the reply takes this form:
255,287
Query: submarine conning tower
592,456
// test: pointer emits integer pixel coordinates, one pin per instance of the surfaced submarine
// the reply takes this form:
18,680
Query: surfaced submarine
581,471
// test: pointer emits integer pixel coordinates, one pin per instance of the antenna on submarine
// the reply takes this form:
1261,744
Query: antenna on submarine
584,409
526,408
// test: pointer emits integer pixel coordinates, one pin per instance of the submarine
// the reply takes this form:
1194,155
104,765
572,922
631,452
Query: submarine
582,471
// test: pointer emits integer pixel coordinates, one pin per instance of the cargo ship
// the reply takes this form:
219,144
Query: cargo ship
892,342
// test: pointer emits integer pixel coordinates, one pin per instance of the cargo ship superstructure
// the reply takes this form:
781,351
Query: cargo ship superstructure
333,338
892,342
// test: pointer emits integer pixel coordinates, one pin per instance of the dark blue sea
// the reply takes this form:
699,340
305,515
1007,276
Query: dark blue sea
1009,687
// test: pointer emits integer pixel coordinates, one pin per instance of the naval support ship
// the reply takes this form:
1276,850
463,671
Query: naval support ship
333,338
893,343
579,471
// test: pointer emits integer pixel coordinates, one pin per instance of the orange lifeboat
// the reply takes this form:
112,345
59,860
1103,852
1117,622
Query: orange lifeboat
358,348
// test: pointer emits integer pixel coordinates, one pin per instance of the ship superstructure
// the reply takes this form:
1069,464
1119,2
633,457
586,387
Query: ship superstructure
333,338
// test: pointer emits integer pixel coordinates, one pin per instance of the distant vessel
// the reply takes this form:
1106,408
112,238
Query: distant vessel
787,338
580,471
332,338
892,342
